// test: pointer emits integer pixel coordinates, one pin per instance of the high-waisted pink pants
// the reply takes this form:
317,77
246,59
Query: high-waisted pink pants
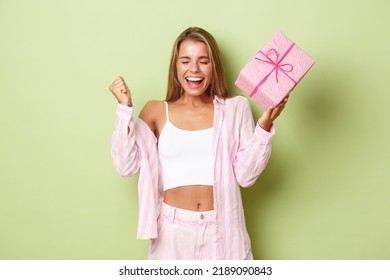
184,235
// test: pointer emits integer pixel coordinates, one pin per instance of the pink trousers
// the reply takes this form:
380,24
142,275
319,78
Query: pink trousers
184,235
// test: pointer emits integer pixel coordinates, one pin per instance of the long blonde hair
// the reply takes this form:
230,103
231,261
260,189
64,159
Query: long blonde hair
218,83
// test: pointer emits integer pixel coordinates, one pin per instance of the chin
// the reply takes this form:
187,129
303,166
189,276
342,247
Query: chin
195,93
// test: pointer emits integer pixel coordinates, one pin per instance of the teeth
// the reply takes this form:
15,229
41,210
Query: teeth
193,79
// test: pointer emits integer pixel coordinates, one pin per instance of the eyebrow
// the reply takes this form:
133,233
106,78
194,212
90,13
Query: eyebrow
187,57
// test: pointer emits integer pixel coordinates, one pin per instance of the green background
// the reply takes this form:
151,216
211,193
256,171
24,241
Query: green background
325,193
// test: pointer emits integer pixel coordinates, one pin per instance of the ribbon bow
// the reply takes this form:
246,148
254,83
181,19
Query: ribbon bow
284,68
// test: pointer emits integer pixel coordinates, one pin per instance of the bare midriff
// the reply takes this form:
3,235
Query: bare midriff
194,198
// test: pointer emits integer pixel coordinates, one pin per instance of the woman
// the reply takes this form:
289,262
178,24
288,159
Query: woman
193,151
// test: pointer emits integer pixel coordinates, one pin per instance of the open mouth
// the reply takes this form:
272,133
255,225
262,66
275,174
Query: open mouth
194,81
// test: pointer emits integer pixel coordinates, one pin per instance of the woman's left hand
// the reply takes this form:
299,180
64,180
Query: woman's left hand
271,114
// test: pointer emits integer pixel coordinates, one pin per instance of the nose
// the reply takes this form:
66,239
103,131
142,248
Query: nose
194,67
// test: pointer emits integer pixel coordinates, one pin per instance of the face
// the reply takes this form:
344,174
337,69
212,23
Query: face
194,69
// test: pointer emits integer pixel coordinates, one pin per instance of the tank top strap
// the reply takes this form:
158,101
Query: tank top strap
166,111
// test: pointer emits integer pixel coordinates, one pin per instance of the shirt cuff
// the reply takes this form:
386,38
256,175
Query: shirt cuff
266,135
124,112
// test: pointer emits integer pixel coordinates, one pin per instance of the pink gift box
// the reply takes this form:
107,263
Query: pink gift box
274,71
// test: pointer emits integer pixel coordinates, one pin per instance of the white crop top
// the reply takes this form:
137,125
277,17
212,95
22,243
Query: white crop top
186,156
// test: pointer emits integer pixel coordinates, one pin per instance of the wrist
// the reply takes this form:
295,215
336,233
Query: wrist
266,127
128,104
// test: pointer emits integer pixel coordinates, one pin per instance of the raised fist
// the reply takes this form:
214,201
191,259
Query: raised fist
121,92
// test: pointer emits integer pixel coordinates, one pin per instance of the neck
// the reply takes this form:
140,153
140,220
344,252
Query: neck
195,101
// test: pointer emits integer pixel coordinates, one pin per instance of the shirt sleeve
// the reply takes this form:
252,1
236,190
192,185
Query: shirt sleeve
254,150
124,150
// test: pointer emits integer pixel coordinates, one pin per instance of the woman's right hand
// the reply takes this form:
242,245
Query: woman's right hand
121,92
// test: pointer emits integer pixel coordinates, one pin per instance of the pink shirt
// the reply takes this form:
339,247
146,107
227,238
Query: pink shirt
241,152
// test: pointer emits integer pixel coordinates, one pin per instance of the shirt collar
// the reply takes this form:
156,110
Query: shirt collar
219,100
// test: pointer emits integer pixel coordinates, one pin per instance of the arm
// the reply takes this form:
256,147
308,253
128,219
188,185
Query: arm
124,151
255,147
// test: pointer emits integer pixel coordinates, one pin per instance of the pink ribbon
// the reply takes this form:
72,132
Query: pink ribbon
284,68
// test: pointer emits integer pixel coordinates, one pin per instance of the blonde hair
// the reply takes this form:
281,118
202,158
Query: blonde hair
218,83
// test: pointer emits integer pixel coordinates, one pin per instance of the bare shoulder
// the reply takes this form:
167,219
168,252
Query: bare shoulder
152,112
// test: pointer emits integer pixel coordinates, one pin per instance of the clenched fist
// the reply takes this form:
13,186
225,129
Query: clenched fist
121,91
